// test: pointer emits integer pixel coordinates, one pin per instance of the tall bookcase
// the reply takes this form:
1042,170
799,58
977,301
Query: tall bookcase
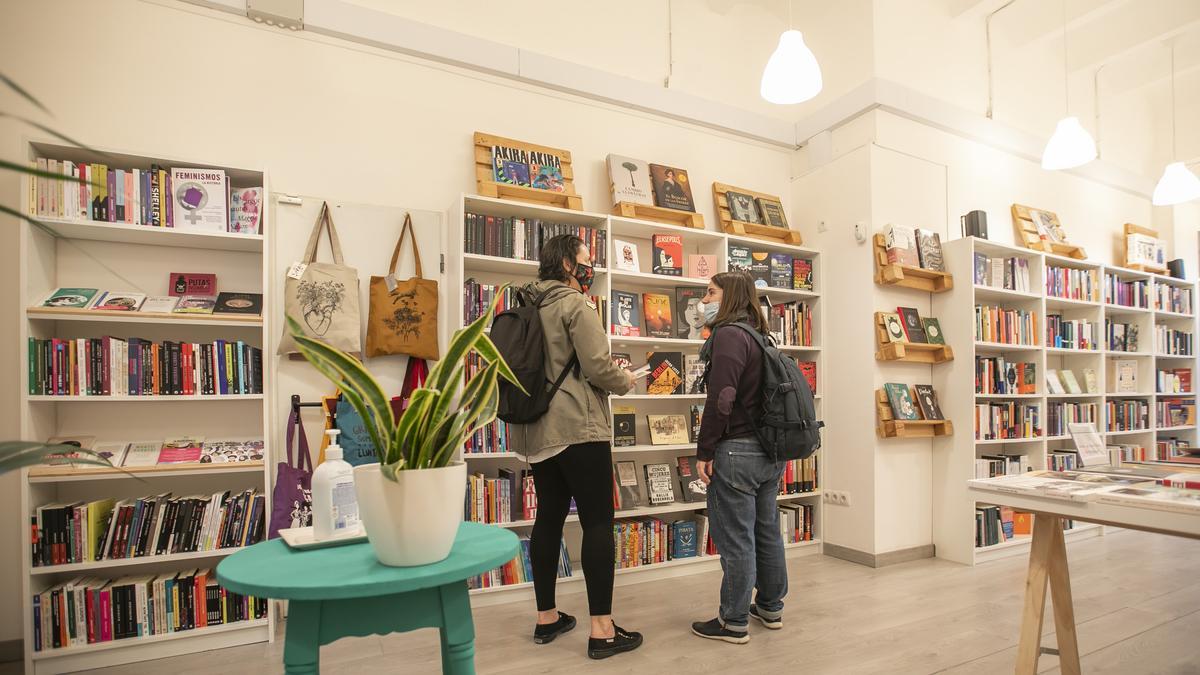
497,270
124,257
954,458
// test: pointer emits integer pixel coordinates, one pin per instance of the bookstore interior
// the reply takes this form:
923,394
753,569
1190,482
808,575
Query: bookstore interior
422,272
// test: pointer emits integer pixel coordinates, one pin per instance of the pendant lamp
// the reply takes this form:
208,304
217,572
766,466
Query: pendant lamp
1071,145
1177,184
792,74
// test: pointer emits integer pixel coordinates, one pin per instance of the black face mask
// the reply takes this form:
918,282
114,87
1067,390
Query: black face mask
584,274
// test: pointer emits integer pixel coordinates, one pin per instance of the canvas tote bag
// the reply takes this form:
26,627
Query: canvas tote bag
323,297
291,501
403,314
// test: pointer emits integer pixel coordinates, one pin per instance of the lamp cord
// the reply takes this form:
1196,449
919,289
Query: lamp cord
1066,74
1174,137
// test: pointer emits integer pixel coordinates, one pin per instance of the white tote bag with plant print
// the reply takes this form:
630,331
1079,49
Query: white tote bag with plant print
323,297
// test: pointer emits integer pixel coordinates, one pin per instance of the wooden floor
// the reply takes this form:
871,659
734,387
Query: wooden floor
1137,601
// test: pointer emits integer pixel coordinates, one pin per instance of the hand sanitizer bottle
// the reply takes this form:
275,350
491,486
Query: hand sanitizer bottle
335,505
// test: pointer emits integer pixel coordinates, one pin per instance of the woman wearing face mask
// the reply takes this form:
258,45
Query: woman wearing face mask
570,449
742,479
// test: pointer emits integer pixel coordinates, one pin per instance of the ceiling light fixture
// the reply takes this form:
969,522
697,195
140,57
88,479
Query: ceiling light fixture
1177,184
1071,145
792,74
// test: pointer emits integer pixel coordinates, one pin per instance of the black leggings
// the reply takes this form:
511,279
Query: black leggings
582,471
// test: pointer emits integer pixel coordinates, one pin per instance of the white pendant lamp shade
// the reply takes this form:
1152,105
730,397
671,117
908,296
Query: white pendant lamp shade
1069,147
792,74
1176,186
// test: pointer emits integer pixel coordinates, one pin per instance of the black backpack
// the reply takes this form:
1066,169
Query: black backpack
518,336
786,426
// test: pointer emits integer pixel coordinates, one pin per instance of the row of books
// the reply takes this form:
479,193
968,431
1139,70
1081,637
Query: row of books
1173,299
999,420
1121,337
109,366
918,402
478,297
519,570
108,529
178,450
179,303
1174,381
989,466
1064,381
1062,461
915,247
90,610
184,198
646,541
1126,415
791,323
1061,413
1073,284
1126,293
1175,413
1071,333
522,238
667,258
1168,340
1001,272
772,270
998,524
659,314
1175,449
1005,326
796,522
998,375
492,500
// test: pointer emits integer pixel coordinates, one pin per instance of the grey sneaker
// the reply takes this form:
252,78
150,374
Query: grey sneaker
713,629
773,624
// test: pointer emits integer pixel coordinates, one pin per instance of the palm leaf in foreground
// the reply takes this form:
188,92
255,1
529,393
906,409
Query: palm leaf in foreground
20,454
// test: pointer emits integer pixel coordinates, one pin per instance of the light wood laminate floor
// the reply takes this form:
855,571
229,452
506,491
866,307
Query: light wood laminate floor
1137,603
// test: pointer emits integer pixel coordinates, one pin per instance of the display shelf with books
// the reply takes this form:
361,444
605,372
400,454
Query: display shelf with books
904,270
909,412
215,226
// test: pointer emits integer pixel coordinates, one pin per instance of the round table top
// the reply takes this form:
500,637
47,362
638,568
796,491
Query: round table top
272,570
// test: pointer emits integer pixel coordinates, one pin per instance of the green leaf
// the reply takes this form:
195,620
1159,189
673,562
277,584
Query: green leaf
487,350
460,345
52,132
24,94
353,393
29,219
34,171
445,400
20,454
409,440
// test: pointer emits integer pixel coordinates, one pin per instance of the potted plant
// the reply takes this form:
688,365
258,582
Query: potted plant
411,501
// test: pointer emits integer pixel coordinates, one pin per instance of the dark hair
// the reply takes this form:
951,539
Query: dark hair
554,252
739,301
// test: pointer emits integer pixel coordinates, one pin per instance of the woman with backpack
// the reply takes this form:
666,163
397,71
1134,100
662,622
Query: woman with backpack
569,447
743,480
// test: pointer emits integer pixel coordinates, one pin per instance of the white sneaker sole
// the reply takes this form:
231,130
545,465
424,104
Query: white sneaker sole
724,638
773,625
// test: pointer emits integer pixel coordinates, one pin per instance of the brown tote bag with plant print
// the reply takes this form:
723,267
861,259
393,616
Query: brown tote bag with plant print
403,314
323,297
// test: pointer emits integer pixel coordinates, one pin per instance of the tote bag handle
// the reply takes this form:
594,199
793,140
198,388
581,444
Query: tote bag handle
324,219
304,461
411,232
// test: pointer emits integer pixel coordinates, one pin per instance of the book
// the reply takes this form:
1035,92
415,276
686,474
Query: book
668,254
627,256
119,301
927,401
701,266
627,318
903,407
238,303
162,304
760,268
628,492
691,487
929,249
656,308
180,450
505,161
809,370
658,484
689,320
546,174
114,452
780,266
695,415
1069,382
1053,383
742,207
672,189
1089,379
1126,376
1151,496
624,426
900,243
196,304
739,258
514,173
684,539
911,321
666,373
231,452
933,331
184,283
198,200
70,297
693,374
668,429
622,360
802,274
894,327
142,453
772,212
245,210
630,180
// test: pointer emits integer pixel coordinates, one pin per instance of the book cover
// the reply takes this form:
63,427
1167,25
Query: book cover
630,179
163,304
668,429
245,210
187,283
666,373
1126,376
695,415
913,328
691,487
927,401
981,269
668,254
114,452
903,407
689,320
70,297
502,154
809,370
693,374
627,256
933,331
742,207
802,274
1069,382
656,308
900,243
231,452
196,304
547,176
1089,379
760,269
622,360
739,258
515,173
772,212
894,327
929,250
628,492
627,319
142,453
672,189
701,266
1028,373
624,426
780,265
684,539
238,303
198,199
181,450
122,301
1053,383
658,484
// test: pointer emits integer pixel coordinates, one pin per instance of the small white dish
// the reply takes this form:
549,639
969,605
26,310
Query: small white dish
301,538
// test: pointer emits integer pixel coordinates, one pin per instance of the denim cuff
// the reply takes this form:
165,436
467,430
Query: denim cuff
766,614
736,628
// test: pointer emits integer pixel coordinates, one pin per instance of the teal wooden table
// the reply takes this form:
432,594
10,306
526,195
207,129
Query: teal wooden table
344,592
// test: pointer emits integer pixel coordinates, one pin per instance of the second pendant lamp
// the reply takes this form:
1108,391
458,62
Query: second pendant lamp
792,74
1071,145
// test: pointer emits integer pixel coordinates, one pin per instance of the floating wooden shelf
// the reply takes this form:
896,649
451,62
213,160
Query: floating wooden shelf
485,176
907,276
1031,238
1130,228
890,427
912,352
744,229
659,214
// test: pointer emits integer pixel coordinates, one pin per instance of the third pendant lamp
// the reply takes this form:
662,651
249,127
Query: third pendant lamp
792,74
1177,184
1071,145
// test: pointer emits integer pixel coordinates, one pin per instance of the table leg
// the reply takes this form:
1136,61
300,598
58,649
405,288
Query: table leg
1064,607
457,630
302,645
1030,646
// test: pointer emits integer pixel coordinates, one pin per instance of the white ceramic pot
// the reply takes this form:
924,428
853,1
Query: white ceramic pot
414,519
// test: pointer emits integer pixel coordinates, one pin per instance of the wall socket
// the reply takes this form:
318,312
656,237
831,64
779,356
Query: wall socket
837,497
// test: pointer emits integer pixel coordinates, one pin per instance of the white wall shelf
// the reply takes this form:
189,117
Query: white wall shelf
90,567
145,399
106,316
121,233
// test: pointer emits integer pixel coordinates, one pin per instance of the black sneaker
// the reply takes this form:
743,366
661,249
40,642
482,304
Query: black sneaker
773,624
715,630
544,633
622,641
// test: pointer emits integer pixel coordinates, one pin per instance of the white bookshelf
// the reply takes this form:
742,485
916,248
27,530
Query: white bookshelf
119,256
493,270
953,508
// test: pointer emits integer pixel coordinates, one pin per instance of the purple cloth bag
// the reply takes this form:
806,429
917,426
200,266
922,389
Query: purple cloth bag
291,502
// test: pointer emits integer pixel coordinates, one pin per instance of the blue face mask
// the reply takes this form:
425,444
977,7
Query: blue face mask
710,311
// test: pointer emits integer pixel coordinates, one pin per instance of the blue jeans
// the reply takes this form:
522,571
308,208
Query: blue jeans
744,515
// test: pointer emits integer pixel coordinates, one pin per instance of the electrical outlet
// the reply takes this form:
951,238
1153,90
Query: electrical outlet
837,497
821,227
845,499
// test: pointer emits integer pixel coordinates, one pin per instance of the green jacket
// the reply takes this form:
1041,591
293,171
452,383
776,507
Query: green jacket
579,412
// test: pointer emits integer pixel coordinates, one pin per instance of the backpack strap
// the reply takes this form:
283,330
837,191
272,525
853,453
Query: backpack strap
541,300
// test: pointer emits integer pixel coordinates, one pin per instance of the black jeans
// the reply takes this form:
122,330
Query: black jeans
582,471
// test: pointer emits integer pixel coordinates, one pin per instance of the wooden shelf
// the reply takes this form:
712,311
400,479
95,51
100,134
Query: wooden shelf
659,214
60,474
907,276
741,228
111,316
911,352
485,177
890,427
